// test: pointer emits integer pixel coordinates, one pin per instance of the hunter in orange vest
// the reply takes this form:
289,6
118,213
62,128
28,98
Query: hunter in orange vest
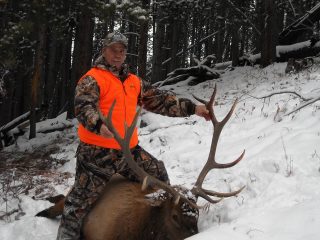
126,95
98,154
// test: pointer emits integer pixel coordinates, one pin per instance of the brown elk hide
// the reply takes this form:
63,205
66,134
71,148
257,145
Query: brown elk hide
119,211
123,212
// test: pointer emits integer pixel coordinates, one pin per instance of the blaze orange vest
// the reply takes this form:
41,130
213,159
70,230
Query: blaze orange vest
126,94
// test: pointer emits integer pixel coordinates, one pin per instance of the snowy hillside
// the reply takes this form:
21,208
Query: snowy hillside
280,169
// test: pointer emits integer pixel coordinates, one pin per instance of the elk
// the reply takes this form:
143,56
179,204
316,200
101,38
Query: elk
128,210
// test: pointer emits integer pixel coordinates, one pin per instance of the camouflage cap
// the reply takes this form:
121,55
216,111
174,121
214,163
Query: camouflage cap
115,37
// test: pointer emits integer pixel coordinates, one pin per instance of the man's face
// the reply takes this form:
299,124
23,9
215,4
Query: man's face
115,54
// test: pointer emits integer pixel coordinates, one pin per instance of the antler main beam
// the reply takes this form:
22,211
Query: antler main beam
124,143
211,162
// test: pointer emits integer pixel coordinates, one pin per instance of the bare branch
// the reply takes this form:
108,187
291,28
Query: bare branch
282,92
303,105
308,100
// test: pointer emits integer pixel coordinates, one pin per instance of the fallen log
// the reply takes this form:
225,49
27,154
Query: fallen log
20,125
204,70
300,50
6,138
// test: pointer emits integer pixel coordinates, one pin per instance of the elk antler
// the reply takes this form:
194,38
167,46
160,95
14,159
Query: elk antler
124,142
211,163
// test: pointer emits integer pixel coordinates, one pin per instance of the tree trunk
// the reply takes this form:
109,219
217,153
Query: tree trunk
51,72
132,56
22,84
65,67
219,37
53,76
209,48
82,53
143,49
192,38
235,45
185,60
174,44
7,99
38,64
157,53
198,37
259,22
268,52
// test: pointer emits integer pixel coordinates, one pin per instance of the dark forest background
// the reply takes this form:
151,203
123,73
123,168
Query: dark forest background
47,45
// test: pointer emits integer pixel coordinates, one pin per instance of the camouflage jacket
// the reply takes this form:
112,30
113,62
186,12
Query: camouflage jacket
87,96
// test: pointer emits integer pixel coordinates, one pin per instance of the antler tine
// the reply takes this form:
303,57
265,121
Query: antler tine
204,193
210,106
125,147
125,141
222,195
211,162
200,100
206,197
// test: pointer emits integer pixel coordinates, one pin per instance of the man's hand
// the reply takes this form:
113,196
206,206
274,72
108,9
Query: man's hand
202,111
105,132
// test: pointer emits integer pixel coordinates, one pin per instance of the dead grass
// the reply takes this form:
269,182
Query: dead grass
25,173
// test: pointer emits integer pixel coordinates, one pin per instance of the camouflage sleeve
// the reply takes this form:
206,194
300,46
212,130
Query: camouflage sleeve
165,102
86,99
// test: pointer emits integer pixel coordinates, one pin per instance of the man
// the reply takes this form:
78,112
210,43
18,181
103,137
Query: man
98,154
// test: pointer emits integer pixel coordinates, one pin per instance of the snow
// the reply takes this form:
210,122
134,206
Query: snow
280,169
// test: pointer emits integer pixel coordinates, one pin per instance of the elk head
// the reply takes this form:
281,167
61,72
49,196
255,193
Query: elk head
173,221
181,210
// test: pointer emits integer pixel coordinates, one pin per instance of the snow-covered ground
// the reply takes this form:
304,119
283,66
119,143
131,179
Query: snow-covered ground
280,169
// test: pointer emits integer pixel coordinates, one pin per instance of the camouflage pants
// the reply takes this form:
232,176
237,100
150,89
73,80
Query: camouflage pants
95,167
